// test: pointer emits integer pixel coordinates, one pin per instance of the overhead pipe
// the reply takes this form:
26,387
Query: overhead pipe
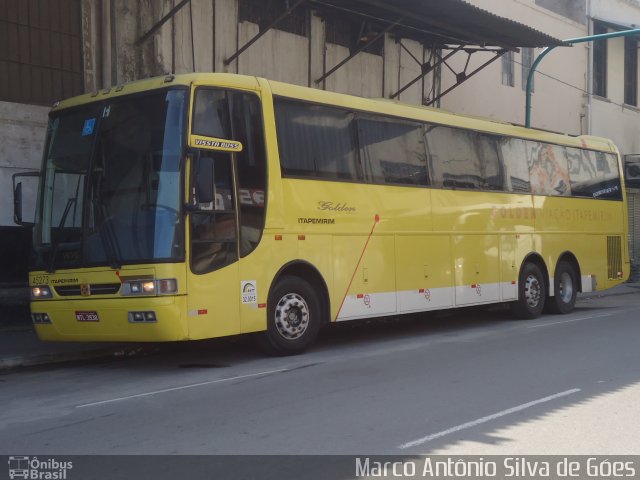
571,41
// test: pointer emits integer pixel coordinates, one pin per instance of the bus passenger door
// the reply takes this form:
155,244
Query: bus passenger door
213,294
226,224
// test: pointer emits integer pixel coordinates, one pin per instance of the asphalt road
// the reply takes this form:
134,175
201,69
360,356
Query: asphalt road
471,382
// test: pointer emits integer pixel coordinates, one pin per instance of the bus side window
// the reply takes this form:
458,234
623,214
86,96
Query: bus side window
594,174
548,169
213,227
211,113
513,152
316,141
247,125
392,151
490,163
453,158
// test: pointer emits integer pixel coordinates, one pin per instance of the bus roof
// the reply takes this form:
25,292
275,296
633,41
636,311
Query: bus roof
374,105
438,116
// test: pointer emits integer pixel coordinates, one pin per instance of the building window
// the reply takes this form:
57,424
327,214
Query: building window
508,69
599,61
265,12
353,33
576,10
40,51
631,71
527,62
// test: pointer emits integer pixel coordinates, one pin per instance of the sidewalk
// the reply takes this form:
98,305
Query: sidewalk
20,347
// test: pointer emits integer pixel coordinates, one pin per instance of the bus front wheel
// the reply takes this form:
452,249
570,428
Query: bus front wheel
293,317
531,292
565,289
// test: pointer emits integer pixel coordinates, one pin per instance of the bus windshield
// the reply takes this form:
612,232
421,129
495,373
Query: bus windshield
111,187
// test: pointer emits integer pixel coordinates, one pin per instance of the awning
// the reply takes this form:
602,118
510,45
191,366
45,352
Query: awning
446,22
448,27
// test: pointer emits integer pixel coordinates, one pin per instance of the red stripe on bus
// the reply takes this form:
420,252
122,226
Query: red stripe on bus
355,270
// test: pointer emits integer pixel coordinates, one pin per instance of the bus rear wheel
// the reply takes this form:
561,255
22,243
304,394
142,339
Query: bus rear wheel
293,317
531,292
565,288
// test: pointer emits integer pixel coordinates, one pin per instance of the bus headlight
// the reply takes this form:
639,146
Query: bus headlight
39,292
149,287
165,286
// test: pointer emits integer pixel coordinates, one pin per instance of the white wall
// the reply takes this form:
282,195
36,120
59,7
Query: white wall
277,55
22,132
611,117
558,103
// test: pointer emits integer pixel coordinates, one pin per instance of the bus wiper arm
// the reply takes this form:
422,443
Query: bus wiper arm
56,244
109,242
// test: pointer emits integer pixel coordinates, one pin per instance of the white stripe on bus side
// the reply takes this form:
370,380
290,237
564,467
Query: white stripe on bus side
366,305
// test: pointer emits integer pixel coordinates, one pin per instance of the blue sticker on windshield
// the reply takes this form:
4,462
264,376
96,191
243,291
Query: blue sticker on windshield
89,124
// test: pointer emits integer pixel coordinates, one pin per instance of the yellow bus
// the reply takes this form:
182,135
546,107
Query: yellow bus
204,205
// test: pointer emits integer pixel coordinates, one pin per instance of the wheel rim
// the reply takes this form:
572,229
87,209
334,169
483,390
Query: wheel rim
292,316
565,287
532,291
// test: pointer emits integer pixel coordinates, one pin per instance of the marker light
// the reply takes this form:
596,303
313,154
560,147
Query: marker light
168,285
40,318
142,317
165,286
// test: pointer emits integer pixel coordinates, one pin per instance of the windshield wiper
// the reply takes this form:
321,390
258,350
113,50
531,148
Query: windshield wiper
109,240
56,244
105,229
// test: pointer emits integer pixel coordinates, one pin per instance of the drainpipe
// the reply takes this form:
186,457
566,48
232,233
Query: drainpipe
589,71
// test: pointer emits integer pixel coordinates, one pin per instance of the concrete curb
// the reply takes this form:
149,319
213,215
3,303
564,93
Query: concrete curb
628,290
20,361
54,358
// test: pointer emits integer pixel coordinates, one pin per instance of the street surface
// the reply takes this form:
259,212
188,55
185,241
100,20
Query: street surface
470,382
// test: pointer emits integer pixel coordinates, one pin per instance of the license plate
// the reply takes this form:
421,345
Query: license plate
87,317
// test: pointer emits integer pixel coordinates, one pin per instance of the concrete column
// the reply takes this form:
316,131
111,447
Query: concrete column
105,44
91,44
203,34
391,66
316,50
226,34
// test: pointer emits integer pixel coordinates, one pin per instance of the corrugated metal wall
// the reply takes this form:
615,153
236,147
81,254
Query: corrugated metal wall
40,50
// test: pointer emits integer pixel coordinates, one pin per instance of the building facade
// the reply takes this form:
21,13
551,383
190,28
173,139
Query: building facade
590,88
59,48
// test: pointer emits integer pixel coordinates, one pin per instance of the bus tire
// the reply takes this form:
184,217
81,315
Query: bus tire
565,288
293,317
531,292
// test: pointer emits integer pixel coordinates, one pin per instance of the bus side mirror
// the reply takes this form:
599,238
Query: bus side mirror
204,180
17,203
19,209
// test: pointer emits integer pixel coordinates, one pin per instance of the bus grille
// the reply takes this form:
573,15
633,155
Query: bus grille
96,289
614,257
